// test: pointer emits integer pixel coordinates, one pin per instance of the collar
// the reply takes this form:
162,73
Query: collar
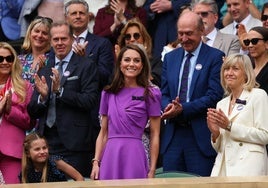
195,52
83,35
66,58
212,34
244,21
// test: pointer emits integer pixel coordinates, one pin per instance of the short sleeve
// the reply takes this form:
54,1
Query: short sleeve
104,103
154,102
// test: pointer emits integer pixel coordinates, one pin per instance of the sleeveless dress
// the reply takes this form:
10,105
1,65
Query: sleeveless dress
128,112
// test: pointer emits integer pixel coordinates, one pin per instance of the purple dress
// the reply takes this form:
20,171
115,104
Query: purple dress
124,155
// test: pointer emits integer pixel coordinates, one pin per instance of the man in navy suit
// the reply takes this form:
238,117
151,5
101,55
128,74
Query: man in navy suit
98,49
62,102
185,143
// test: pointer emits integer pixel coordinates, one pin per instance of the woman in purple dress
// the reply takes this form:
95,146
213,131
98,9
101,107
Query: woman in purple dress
126,106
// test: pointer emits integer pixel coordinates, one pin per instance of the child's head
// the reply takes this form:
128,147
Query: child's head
35,152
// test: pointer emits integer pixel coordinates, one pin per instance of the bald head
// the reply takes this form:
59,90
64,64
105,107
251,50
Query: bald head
190,30
191,18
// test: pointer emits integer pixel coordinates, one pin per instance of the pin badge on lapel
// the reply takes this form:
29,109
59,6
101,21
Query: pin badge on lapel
66,73
240,103
240,107
198,66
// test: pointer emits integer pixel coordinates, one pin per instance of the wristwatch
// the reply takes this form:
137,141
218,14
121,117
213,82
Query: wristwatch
58,91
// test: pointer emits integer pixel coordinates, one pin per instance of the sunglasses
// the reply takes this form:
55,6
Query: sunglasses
264,17
9,59
253,41
204,14
49,20
135,35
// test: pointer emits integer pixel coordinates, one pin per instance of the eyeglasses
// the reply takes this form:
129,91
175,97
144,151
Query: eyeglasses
204,14
9,59
49,20
253,41
135,35
264,17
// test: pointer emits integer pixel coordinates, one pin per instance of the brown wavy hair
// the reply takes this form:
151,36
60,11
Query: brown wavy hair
147,41
142,79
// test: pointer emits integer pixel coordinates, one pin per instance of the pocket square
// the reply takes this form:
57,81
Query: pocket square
72,78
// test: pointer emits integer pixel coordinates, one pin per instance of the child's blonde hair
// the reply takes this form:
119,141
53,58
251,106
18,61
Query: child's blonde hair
27,162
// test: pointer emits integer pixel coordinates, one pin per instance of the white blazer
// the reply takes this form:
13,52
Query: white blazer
242,152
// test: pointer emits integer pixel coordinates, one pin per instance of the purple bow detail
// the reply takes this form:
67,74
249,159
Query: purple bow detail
239,101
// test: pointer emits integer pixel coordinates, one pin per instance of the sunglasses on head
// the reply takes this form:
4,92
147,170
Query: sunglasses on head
204,14
135,35
49,20
253,41
9,58
264,17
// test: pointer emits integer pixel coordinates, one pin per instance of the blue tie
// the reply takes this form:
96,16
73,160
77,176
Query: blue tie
51,114
184,79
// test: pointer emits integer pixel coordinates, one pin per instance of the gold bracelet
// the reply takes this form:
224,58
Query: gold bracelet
93,160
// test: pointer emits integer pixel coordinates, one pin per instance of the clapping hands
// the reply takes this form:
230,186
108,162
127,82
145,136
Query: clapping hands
5,103
119,9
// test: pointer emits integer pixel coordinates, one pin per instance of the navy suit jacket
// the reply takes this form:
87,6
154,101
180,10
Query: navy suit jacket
73,107
100,51
205,91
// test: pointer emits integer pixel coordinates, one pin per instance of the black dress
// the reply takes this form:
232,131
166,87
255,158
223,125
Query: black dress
53,174
262,78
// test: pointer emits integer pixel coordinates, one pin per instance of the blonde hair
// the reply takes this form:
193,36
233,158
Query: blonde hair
246,65
26,46
18,84
26,161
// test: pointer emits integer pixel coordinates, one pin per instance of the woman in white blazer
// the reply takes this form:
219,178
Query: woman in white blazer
239,126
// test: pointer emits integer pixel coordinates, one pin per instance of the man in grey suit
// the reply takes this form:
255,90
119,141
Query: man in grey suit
239,11
208,11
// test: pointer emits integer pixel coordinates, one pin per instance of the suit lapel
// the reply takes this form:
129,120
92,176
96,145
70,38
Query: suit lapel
178,59
69,69
91,40
199,62
239,107
218,41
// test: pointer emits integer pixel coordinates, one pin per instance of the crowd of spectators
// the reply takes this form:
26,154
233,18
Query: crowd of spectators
95,80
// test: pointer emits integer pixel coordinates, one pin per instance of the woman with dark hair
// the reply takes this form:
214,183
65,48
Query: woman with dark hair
126,106
264,15
112,18
256,42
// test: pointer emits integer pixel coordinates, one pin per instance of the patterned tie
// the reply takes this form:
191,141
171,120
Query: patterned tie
184,79
51,114
60,64
79,40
